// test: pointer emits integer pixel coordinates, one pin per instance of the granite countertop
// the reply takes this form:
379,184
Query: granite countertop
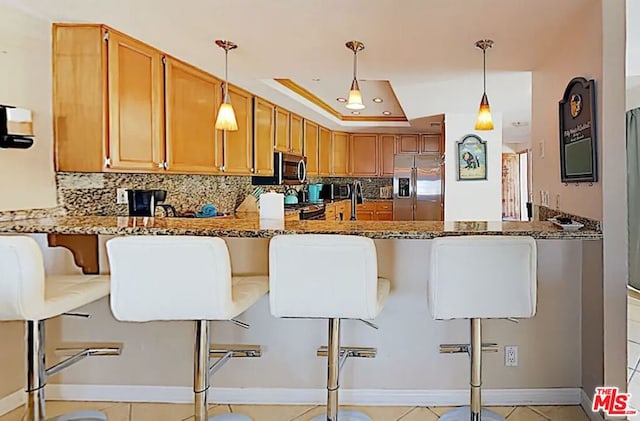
253,227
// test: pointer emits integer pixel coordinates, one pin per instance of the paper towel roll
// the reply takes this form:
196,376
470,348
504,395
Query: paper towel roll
272,206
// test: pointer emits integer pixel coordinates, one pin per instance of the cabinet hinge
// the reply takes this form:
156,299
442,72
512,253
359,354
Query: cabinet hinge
105,37
107,162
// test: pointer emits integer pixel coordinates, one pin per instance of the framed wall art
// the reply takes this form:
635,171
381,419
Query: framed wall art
578,145
472,158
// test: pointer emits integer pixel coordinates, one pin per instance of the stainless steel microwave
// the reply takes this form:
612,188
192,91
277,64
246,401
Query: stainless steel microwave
287,169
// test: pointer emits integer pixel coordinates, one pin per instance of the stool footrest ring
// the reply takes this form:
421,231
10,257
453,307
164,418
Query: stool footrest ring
350,351
466,348
237,351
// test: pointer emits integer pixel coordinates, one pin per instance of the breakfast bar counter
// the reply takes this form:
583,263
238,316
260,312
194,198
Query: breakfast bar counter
255,228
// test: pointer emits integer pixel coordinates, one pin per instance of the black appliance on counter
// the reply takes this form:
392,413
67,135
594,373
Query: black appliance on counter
144,202
287,169
335,191
308,211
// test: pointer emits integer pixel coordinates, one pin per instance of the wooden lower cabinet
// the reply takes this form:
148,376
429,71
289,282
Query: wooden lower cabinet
338,211
375,211
292,216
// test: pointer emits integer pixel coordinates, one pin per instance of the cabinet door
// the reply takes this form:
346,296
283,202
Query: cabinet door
364,155
238,144
384,216
311,147
136,105
340,154
430,143
387,151
283,132
365,215
324,152
192,99
409,143
264,135
297,135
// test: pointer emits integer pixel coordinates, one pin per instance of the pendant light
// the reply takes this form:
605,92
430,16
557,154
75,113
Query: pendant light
226,116
355,97
484,120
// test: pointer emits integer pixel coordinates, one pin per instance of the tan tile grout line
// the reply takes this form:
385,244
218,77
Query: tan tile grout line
415,408
539,413
513,409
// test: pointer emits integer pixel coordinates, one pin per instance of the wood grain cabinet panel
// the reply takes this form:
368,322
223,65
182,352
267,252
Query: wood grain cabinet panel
324,152
387,151
297,134
340,154
431,143
192,100
311,147
409,143
136,104
264,136
283,132
364,155
238,145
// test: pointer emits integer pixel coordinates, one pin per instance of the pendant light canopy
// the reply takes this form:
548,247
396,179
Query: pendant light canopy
226,119
355,97
484,120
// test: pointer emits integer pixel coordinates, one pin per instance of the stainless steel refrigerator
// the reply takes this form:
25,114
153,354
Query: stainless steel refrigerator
417,187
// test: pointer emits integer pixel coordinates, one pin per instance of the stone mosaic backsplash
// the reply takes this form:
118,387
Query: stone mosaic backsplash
95,193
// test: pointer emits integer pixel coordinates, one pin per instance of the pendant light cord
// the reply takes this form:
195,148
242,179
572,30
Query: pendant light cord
484,69
355,64
226,75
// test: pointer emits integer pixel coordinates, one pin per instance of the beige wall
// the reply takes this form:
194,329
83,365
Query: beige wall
567,58
633,97
27,179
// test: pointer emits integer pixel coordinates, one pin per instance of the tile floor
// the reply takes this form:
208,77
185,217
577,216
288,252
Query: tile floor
179,412
633,349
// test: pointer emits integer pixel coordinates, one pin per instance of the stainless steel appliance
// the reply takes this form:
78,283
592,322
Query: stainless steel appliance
287,169
417,187
335,191
309,211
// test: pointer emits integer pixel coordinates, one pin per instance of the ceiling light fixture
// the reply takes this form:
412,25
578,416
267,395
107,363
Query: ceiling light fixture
355,97
355,112
340,99
377,100
226,116
484,120
386,112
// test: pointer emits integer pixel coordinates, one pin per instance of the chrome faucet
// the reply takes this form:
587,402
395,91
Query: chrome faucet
356,197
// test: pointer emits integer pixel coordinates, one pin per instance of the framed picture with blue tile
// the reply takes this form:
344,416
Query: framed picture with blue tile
472,158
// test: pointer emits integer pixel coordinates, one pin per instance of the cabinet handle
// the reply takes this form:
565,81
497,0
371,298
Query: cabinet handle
165,165
222,168
253,170
160,165
107,162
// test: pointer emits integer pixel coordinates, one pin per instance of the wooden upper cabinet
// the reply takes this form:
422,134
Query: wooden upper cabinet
297,134
431,143
387,152
264,135
192,98
80,114
136,104
311,146
324,152
364,155
238,144
283,130
409,143
340,154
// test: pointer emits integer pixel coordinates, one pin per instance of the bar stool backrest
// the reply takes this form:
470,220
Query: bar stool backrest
323,276
169,278
22,277
482,277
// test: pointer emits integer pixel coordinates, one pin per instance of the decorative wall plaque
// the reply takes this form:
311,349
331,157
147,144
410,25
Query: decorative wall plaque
578,135
472,158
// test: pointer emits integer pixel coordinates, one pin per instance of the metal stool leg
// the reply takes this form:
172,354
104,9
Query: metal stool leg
36,377
201,370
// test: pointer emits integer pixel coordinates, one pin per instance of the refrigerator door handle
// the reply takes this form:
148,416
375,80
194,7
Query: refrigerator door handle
414,197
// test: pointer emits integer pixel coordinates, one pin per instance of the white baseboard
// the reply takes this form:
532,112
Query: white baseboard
391,397
12,401
587,405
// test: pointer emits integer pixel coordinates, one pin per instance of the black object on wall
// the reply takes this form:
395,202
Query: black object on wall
11,140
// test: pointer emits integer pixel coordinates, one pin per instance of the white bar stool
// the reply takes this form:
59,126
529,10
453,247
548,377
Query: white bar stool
27,294
348,288
157,278
481,277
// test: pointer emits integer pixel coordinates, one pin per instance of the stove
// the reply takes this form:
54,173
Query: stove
308,210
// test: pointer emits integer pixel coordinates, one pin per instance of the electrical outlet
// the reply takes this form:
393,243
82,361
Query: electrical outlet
558,201
121,196
541,149
511,356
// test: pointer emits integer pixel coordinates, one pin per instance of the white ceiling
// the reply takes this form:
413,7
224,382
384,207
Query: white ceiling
425,48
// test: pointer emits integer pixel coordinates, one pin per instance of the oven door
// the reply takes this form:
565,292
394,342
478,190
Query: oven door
294,169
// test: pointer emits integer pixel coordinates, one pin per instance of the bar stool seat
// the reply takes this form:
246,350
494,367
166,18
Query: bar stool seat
497,279
163,278
27,294
332,277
